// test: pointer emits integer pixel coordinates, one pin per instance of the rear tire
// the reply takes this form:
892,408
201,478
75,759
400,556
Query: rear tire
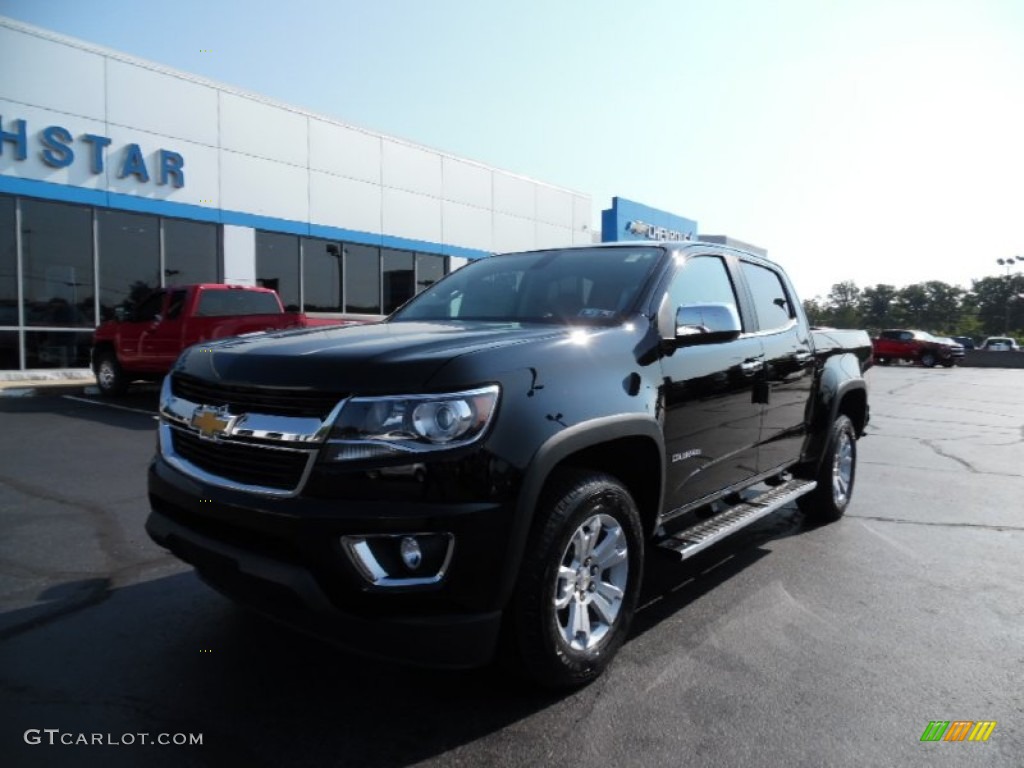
110,378
579,582
928,360
835,476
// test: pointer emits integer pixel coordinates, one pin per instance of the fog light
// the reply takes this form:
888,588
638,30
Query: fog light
411,554
413,559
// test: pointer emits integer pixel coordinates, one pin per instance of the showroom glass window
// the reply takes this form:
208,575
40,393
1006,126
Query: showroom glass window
57,265
8,285
277,266
398,276
362,279
191,252
429,269
322,275
129,259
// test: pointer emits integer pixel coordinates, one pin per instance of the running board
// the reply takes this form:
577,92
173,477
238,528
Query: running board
692,540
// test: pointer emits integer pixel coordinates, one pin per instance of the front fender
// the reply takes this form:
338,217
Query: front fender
552,453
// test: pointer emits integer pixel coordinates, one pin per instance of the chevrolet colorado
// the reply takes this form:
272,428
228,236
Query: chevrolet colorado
498,457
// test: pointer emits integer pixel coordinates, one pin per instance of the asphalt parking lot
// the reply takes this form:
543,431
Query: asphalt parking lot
784,646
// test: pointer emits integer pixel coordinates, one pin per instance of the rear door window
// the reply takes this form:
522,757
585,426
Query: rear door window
772,304
235,302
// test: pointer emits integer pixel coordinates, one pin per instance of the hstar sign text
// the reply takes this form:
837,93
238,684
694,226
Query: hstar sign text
58,151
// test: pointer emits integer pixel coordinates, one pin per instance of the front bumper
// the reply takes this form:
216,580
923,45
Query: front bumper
284,557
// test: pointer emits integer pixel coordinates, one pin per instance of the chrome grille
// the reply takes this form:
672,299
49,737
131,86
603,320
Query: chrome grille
257,466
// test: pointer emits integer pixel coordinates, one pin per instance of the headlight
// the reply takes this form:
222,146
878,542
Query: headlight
372,427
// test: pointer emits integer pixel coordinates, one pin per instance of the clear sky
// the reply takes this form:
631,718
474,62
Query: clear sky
866,140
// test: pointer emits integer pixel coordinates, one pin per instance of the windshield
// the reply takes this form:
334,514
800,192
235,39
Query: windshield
590,285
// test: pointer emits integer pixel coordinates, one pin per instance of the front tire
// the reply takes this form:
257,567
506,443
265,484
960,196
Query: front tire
828,502
580,580
110,378
928,360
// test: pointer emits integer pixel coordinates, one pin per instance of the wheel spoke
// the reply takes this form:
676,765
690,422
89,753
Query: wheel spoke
564,587
606,602
612,550
579,624
591,531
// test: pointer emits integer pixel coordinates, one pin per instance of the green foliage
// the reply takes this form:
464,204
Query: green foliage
989,308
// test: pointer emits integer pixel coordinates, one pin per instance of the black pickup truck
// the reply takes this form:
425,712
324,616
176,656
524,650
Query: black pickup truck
498,457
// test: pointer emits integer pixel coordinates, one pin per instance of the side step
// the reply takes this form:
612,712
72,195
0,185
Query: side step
692,540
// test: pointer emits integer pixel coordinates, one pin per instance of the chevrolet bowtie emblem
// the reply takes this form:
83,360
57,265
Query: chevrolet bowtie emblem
212,422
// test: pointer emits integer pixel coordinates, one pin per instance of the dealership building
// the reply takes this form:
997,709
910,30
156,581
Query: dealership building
119,176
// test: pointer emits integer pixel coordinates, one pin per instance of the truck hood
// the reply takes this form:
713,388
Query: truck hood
374,358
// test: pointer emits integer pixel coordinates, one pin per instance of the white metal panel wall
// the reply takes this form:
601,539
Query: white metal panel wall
344,151
339,202
466,183
417,217
581,226
160,103
411,169
243,154
239,255
253,128
550,236
77,174
554,206
515,196
48,74
512,233
262,187
466,226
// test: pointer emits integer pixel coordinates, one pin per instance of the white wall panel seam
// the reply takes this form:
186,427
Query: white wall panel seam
42,108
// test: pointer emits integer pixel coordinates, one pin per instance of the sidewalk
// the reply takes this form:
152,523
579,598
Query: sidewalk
62,381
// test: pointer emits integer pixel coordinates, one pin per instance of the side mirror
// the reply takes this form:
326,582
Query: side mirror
706,324
122,314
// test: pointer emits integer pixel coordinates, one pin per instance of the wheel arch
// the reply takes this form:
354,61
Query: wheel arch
99,348
628,447
840,396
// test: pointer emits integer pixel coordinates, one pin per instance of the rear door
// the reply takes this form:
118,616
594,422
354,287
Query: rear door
712,419
789,365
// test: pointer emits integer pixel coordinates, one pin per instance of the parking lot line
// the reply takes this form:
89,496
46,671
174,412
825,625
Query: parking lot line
110,405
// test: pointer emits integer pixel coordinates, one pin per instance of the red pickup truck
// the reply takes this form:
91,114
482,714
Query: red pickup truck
912,346
143,343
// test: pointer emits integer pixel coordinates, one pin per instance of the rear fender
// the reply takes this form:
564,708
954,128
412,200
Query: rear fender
841,389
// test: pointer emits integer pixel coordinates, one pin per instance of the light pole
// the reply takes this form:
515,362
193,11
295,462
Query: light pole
1008,263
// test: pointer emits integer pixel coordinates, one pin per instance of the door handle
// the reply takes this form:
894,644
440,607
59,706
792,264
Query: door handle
752,366
803,356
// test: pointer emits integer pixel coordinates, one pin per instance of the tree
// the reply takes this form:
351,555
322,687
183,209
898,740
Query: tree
877,306
843,304
997,304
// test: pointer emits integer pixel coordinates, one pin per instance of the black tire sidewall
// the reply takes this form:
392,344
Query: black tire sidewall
543,652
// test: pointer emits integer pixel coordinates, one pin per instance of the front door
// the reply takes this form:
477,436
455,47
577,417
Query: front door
712,417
